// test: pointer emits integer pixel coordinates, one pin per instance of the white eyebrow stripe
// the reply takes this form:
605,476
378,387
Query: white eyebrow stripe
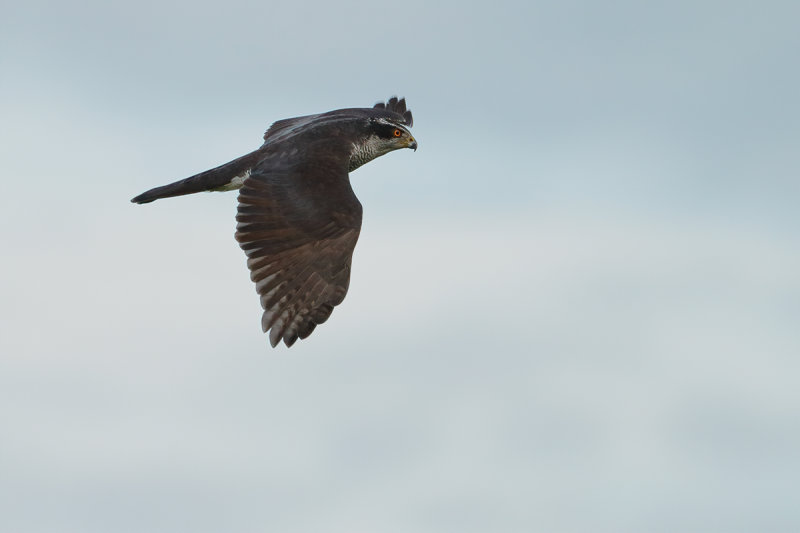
388,122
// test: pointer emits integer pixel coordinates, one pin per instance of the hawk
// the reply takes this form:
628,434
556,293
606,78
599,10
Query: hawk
298,219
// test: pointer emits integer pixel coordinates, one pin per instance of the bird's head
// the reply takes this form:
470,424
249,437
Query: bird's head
391,134
392,120
386,130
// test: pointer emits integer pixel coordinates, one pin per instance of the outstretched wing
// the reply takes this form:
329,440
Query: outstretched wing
298,222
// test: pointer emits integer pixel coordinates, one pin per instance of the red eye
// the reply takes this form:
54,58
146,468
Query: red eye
398,133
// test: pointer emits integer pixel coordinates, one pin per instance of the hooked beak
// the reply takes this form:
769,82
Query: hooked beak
412,143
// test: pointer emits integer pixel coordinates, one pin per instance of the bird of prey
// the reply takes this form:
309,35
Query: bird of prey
298,219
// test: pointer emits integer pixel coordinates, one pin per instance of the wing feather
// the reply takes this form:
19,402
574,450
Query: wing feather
298,223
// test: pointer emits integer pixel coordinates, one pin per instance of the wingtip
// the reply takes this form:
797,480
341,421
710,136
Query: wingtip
289,340
275,333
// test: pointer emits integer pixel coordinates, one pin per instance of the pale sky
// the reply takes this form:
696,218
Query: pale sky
575,308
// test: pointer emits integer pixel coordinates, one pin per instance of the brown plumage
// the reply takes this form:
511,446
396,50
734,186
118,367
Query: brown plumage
298,218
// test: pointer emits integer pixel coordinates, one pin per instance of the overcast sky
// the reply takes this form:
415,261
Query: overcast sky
575,308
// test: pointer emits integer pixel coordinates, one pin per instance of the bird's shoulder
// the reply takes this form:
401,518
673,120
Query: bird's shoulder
305,185
338,122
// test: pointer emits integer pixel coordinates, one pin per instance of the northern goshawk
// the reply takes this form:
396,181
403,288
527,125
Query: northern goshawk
298,219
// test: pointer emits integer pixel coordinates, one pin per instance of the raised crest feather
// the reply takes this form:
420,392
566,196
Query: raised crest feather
397,106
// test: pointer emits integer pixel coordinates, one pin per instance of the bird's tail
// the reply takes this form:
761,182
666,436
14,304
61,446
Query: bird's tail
210,180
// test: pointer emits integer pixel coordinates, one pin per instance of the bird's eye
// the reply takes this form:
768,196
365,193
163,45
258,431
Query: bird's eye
398,133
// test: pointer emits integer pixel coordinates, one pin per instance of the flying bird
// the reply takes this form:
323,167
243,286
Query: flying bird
298,219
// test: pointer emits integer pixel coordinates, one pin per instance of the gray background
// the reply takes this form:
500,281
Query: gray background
575,308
